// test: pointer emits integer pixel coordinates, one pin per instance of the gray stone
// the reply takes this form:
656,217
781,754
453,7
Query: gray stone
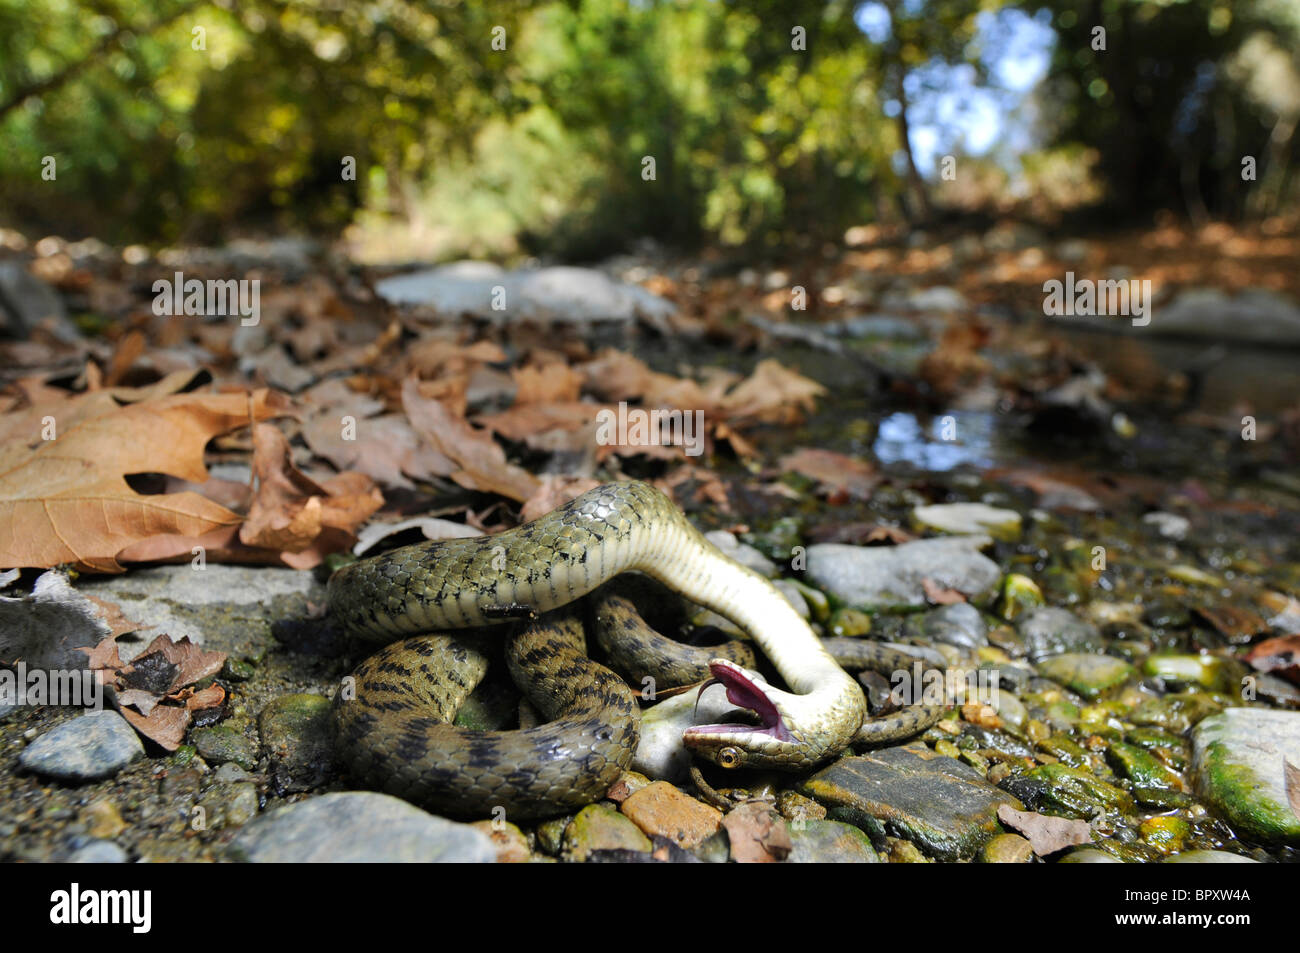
661,754
359,827
225,608
885,577
222,744
1051,631
943,806
1238,760
1257,315
937,299
97,745
559,294
98,852
1209,857
969,518
959,624
742,553
1168,525
879,326
26,302
829,842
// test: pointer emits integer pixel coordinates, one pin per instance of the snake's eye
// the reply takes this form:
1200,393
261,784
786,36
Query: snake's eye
729,758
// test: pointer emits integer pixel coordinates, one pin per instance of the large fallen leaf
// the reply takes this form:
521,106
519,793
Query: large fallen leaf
832,470
480,460
68,501
772,394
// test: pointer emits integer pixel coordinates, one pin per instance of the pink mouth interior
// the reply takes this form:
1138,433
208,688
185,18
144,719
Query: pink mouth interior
743,692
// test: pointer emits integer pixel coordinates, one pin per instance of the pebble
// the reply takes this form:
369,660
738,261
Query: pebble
1007,849
359,827
1050,631
969,518
97,745
223,744
509,841
1209,857
98,852
661,809
1088,674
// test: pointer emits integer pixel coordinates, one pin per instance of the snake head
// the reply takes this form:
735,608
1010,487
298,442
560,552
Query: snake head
776,742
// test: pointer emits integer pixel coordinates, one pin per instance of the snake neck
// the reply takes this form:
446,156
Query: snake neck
751,602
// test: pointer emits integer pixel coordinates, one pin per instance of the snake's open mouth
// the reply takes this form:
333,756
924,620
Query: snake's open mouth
743,691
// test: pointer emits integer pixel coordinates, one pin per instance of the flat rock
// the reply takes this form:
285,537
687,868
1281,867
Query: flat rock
225,608
830,842
600,828
1257,315
1238,759
944,806
97,745
359,827
1049,631
1209,857
959,624
27,302
742,553
885,577
969,518
558,294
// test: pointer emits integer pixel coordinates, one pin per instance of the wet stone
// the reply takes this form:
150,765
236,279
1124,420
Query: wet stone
97,745
1175,713
223,744
1007,849
1088,674
1238,760
1210,857
98,852
298,735
359,827
1051,631
829,842
944,806
1089,855
959,624
229,804
509,841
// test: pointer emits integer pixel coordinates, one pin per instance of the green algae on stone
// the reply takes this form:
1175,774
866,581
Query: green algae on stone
1089,675
849,622
1166,833
1238,758
1066,750
1074,792
816,842
1177,712
1141,767
222,744
597,827
1007,849
1208,671
1019,594
944,806
550,834
298,734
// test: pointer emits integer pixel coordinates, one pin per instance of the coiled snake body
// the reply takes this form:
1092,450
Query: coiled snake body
393,733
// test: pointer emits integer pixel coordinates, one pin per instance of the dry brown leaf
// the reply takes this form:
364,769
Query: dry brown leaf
525,423
480,460
68,501
1235,624
832,470
772,394
555,491
940,595
293,514
548,384
165,724
211,697
193,664
1045,834
385,448
758,834
615,375
1278,656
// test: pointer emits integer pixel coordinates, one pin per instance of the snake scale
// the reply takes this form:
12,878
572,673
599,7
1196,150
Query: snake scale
395,732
